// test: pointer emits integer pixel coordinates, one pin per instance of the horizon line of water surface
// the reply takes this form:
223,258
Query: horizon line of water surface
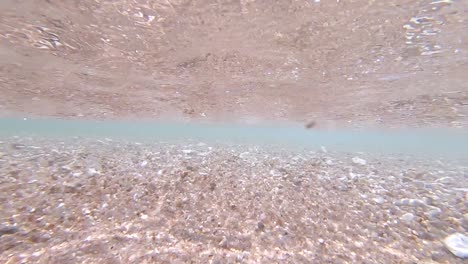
438,142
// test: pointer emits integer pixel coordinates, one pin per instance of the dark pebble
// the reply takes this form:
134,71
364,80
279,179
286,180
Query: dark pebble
8,230
260,226
438,256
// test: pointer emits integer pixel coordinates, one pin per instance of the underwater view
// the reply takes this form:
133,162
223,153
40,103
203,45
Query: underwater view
233,131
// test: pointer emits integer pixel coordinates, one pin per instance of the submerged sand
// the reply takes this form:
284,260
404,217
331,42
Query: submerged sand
107,201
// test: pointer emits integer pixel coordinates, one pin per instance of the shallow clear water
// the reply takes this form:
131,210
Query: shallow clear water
83,191
446,143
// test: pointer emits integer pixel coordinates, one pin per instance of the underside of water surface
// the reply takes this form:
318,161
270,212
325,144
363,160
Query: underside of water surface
350,63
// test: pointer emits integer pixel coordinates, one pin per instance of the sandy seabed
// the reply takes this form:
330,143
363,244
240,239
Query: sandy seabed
107,201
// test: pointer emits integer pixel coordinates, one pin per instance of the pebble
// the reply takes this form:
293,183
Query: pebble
143,163
223,242
437,256
417,202
431,214
17,146
343,187
444,180
244,154
260,226
357,160
407,218
411,202
187,151
77,174
92,172
241,257
8,230
457,244
275,173
379,200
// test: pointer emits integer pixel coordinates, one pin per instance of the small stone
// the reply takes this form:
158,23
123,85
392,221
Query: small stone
411,202
457,244
428,186
359,161
343,187
275,173
437,256
223,243
37,237
236,242
454,221
92,172
444,180
260,226
17,146
8,230
426,236
321,241
38,253
191,168
406,180
143,163
77,174
431,214
429,200
353,176
242,257
417,202
379,200
187,151
407,218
